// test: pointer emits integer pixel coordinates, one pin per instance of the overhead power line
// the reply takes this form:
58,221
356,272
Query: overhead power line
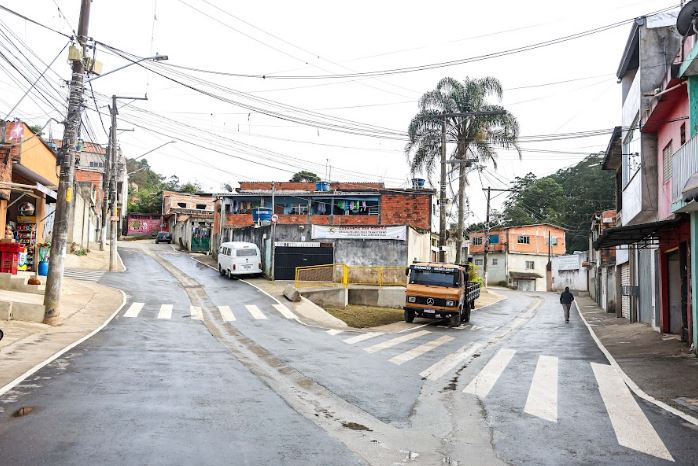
429,66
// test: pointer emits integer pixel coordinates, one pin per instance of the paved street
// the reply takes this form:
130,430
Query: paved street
200,369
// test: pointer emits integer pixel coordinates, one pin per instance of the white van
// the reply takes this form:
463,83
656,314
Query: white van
238,258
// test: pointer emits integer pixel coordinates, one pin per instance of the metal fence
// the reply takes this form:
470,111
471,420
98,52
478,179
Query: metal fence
684,164
342,275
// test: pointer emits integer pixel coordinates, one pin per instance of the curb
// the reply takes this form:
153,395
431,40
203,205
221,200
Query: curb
629,382
60,353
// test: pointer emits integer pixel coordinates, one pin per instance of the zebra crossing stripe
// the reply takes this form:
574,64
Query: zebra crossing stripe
542,396
165,311
395,341
334,332
195,312
633,429
284,311
440,368
226,314
488,376
420,350
255,311
133,310
362,337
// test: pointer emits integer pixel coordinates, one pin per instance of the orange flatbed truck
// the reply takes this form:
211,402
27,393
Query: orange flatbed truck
440,291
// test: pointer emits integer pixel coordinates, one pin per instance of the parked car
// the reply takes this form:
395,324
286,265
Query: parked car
238,258
163,237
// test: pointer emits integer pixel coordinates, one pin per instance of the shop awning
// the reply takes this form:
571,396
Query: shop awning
644,234
525,275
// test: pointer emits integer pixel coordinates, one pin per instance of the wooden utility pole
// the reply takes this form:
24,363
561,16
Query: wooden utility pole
64,201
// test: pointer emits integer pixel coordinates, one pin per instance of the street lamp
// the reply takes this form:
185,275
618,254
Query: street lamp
148,152
155,57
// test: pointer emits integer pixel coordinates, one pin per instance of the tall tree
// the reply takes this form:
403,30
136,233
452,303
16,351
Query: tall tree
305,175
476,137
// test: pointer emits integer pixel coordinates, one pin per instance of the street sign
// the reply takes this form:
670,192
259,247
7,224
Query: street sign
274,218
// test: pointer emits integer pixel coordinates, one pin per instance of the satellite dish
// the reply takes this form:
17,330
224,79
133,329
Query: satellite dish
686,21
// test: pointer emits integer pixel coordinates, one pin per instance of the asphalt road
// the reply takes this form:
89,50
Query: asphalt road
243,382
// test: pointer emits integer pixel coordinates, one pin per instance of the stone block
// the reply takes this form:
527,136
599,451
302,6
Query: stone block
28,312
292,294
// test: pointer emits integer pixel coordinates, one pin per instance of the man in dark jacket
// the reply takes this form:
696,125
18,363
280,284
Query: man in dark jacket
566,299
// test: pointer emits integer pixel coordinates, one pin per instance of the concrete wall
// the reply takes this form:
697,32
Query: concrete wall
496,269
517,263
418,245
576,279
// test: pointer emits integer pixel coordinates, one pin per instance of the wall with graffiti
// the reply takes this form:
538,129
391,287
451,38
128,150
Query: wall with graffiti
144,225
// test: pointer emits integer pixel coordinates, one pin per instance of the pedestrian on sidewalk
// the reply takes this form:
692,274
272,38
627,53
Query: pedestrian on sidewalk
566,299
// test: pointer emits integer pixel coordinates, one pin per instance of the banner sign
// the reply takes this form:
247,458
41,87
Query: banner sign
359,232
568,262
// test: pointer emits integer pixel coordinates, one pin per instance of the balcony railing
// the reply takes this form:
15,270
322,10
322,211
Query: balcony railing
684,165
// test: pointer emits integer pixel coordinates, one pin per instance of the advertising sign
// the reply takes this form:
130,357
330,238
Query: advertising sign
359,232
568,262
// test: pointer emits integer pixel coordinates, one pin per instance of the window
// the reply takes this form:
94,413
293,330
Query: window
524,239
183,205
530,265
683,133
553,241
668,154
477,241
201,206
246,252
494,239
478,262
631,151
494,261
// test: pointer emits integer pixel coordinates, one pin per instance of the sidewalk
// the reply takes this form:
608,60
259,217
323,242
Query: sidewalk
93,260
86,308
660,365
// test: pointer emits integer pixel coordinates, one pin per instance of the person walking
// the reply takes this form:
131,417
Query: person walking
566,299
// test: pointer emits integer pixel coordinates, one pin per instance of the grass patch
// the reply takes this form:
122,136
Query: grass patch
366,316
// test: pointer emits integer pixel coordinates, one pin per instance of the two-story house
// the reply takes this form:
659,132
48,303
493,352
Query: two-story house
304,224
518,256
189,217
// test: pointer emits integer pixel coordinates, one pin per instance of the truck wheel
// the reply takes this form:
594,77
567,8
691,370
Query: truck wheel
220,270
409,316
466,316
454,321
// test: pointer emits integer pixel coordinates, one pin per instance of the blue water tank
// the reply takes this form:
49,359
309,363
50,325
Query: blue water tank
261,214
418,183
322,186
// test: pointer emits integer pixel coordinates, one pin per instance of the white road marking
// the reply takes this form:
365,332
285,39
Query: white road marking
412,327
362,337
165,311
133,310
630,424
488,376
437,370
396,341
542,396
195,312
226,314
255,311
334,332
420,350
284,311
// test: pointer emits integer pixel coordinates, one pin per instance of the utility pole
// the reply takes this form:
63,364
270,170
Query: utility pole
64,201
487,230
487,235
442,195
273,228
106,179
114,173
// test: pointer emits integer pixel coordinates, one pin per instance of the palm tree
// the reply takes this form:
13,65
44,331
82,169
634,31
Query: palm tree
490,128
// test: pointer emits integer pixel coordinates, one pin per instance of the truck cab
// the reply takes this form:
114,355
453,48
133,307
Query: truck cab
439,291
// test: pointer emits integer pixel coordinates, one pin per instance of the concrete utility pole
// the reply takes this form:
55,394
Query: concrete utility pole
487,235
114,172
106,179
64,201
487,230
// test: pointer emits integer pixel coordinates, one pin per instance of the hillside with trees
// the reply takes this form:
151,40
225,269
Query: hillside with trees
568,198
146,187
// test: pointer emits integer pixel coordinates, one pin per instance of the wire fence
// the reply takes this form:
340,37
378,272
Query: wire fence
342,275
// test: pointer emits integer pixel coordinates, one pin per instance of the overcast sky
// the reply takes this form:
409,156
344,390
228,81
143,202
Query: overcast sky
305,38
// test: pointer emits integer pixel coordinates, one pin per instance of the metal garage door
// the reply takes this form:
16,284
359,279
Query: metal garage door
625,281
526,285
286,259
